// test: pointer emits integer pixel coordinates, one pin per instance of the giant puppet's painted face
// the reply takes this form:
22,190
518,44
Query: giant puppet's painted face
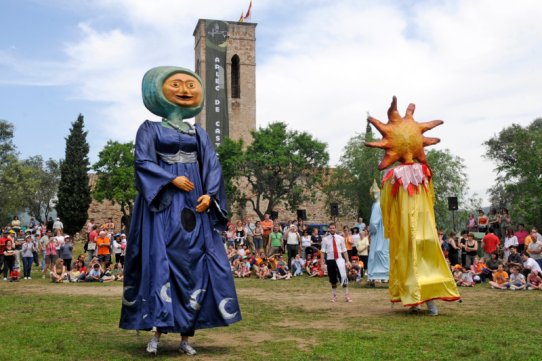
173,92
183,89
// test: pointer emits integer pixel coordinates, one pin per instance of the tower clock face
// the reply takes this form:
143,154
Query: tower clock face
217,32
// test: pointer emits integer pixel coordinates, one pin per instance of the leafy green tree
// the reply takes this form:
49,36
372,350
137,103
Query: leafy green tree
281,166
230,154
350,183
115,176
73,190
40,181
449,180
517,152
10,200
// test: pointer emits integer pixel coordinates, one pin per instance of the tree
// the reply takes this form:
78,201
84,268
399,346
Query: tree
449,180
281,166
230,154
358,167
40,180
9,199
115,176
73,190
517,152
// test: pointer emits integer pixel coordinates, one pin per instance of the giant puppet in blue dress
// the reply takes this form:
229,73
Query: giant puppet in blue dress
379,253
177,277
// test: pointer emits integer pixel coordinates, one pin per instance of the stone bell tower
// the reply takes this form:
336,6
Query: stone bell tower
225,54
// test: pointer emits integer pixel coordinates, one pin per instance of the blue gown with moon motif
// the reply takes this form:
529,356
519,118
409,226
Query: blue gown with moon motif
176,279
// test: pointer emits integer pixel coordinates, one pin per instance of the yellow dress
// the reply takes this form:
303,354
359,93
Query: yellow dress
418,270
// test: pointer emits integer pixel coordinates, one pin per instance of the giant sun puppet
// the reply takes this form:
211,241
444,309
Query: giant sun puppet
418,270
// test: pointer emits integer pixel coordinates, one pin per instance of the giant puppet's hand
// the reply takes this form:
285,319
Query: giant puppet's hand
204,203
183,183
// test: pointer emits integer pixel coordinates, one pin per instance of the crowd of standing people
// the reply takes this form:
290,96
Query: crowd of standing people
47,247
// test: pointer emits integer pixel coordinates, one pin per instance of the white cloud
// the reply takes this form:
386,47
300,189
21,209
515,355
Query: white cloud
476,65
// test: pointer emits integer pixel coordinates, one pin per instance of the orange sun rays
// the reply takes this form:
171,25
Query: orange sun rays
403,138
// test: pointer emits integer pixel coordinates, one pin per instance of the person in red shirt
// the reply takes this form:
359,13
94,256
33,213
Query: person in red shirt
491,243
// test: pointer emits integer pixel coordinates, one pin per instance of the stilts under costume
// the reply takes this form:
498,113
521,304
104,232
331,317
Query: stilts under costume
177,277
418,269
379,253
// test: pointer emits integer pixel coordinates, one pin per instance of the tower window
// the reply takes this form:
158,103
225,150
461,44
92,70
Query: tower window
235,77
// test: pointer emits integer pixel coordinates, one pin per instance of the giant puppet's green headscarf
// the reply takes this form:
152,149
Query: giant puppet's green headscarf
154,99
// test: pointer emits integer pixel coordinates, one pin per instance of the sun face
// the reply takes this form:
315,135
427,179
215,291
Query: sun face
403,138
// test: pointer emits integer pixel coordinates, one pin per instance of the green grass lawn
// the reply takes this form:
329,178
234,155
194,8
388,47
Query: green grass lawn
282,320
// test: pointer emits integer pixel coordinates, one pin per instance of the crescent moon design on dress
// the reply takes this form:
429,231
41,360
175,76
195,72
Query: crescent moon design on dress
194,299
125,302
163,293
222,307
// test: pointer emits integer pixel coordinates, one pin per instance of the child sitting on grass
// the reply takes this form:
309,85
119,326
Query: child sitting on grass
14,274
466,279
534,282
500,278
517,280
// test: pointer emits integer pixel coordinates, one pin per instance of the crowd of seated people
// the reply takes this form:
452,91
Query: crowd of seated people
512,261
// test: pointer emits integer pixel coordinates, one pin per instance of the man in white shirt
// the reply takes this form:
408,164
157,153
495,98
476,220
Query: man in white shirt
529,264
336,258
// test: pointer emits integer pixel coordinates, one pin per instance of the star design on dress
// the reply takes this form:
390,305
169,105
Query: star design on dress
403,138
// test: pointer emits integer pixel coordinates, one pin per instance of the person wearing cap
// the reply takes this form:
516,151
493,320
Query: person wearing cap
335,256
58,227
104,247
123,244
116,247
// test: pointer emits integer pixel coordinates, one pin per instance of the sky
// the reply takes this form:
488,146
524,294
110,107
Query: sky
321,66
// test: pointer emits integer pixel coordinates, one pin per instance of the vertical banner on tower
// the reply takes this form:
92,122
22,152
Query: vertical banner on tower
216,110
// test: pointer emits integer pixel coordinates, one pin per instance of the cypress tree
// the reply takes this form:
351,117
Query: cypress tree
74,191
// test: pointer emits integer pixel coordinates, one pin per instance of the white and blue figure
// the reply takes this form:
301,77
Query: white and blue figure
379,252
177,277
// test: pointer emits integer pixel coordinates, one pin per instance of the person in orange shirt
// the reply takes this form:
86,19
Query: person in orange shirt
480,269
500,278
267,227
104,247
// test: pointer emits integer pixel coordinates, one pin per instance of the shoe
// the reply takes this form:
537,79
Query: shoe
185,347
152,346
414,310
29,278
347,299
334,299
26,278
5,279
433,310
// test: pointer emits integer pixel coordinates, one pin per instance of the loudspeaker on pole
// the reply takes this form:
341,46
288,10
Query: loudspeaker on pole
452,204
334,209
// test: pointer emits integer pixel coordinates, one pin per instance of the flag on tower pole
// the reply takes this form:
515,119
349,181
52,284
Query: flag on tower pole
242,18
248,14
